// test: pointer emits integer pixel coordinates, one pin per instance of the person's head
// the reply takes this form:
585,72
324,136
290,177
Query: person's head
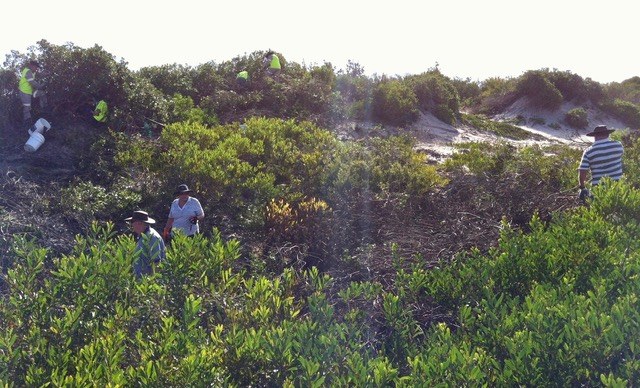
183,191
600,132
33,65
268,56
140,221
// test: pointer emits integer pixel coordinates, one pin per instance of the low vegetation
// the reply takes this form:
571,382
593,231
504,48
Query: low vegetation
325,260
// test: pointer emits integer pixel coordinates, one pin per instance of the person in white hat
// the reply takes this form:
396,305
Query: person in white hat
150,247
603,158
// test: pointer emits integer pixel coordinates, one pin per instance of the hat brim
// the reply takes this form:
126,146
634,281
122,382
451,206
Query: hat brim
183,192
148,221
594,133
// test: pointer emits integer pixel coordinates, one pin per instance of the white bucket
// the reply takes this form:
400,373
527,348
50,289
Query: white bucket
41,126
35,141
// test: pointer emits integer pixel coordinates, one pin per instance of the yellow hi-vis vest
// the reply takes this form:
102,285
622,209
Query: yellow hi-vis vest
275,62
103,110
243,75
25,86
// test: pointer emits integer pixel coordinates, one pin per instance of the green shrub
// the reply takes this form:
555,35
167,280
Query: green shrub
503,129
496,94
541,92
182,108
577,118
574,87
627,112
468,91
85,202
627,90
170,79
354,90
553,166
436,94
394,102
10,106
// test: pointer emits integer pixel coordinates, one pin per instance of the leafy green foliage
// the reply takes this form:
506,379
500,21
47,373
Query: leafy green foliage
577,118
628,90
394,102
535,165
540,90
436,94
555,303
496,94
626,111
555,306
503,129
85,202
10,106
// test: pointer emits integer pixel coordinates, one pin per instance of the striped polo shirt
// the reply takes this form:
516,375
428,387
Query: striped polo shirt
603,158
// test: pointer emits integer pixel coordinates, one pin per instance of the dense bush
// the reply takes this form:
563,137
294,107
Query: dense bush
496,94
170,79
627,112
10,106
76,78
627,90
354,92
577,118
540,90
394,102
468,91
555,306
503,129
436,94
573,87
534,165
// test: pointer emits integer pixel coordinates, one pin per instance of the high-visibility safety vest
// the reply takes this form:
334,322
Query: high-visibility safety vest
25,86
103,110
275,62
243,75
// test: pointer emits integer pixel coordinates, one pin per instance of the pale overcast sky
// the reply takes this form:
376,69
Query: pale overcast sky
466,38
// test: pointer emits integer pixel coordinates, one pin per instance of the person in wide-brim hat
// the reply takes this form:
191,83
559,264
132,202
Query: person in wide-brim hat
150,247
603,159
141,216
600,130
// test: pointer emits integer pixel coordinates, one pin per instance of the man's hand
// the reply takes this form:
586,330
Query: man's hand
194,220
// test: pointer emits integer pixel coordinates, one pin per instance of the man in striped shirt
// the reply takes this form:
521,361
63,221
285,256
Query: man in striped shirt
603,158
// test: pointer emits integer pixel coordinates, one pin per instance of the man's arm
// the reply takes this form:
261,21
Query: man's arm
582,177
32,80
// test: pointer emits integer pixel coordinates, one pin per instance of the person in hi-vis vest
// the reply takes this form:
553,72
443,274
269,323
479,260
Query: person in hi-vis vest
29,89
273,62
101,111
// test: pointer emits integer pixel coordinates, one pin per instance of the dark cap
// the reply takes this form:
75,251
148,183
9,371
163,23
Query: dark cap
139,215
182,189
